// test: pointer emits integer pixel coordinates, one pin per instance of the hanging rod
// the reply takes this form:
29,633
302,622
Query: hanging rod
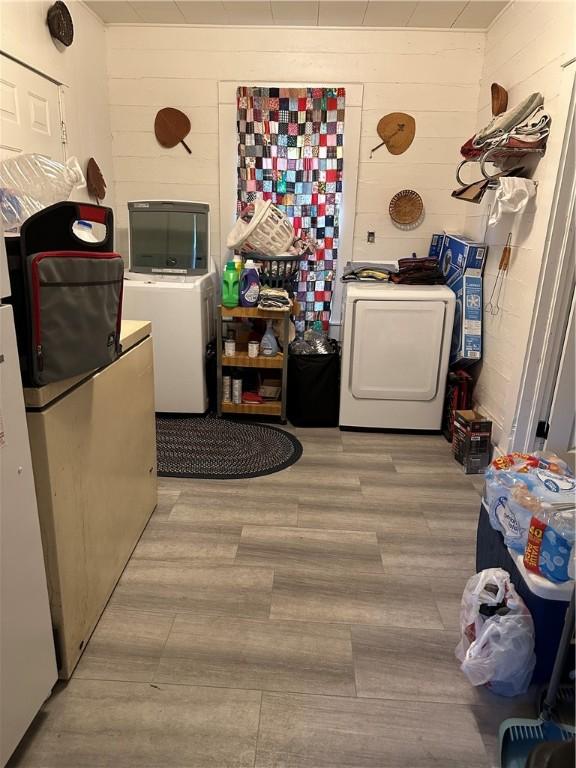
490,156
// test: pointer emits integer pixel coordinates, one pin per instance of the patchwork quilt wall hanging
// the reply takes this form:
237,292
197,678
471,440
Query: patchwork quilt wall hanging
290,151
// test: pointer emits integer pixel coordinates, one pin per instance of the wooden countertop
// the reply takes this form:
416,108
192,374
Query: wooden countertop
131,332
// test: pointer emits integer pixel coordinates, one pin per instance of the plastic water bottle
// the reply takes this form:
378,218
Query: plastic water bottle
30,183
83,230
249,285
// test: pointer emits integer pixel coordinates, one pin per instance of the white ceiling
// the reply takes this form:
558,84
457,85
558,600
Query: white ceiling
470,14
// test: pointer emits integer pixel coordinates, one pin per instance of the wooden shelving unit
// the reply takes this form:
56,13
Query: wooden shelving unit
241,360
273,408
263,314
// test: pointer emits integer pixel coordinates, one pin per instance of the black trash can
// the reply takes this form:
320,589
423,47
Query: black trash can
314,389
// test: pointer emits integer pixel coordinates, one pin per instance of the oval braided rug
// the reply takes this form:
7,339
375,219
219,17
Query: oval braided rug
207,447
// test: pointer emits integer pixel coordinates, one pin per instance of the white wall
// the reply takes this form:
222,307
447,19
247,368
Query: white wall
524,52
81,68
431,74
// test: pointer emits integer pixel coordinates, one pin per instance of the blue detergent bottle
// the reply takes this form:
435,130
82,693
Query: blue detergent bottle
249,285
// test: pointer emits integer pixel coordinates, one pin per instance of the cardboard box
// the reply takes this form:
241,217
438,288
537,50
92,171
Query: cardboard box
467,332
458,398
471,443
435,251
462,262
459,254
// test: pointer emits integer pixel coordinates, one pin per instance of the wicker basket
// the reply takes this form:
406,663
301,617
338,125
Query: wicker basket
270,390
406,208
279,272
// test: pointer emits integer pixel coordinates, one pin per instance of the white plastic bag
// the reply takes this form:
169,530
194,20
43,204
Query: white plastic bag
30,183
497,644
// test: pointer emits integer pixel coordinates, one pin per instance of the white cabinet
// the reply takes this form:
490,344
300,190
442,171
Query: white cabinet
27,661
94,454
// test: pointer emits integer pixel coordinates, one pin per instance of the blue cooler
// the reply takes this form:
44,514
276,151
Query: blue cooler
546,601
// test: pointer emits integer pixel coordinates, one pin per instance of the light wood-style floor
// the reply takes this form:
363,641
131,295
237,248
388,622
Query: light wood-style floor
305,619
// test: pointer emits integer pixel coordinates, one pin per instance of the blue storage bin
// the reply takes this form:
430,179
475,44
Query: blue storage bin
547,602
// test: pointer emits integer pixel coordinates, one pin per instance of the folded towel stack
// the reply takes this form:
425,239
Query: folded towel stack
423,271
274,298
379,273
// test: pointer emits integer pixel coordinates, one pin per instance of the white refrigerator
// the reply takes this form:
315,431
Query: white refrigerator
27,659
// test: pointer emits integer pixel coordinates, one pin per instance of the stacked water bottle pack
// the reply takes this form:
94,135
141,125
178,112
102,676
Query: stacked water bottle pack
531,501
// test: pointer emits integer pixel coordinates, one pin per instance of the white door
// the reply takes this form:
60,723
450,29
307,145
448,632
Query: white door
29,112
527,428
561,421
397,349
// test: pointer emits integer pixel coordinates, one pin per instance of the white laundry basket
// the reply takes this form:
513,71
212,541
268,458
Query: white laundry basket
268,231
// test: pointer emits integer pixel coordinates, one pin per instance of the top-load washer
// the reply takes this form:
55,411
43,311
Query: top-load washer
172,282
183,323
396,348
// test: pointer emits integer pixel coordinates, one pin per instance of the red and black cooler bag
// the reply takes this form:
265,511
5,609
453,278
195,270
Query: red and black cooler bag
73,294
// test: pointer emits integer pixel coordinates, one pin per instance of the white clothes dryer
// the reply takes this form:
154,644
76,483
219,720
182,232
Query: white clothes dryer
396,347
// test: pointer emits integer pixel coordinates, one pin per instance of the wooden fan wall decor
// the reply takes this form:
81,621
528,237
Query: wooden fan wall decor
171,127
499,99
95,181
397,131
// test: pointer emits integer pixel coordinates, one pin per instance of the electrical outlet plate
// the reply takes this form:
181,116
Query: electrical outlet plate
370,237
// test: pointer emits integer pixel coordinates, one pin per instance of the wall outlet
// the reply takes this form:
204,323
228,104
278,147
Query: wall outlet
370,237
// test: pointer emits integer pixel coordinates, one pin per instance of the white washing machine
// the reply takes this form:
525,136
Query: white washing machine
183,323
396,346
172,282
